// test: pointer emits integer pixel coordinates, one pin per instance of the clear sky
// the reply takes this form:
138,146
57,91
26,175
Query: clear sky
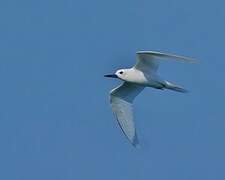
55,118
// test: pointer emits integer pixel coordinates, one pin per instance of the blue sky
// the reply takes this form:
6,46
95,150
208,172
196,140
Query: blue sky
56,122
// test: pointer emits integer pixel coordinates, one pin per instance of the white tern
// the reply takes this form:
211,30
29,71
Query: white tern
142,74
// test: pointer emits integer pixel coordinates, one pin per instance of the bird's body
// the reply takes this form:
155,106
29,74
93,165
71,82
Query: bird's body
143,74
143,79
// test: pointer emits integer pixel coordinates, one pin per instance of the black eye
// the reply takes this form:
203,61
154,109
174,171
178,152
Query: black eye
121,72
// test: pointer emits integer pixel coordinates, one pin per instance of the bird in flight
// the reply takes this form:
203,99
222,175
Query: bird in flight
142,74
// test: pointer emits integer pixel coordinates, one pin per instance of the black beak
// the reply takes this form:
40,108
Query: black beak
111,76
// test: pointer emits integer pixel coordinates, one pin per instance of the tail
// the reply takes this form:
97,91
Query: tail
174,87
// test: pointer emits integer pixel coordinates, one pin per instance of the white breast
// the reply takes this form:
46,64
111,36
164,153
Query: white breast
136,76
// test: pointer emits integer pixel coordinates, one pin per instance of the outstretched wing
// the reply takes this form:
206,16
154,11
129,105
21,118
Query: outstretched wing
148,61
121,99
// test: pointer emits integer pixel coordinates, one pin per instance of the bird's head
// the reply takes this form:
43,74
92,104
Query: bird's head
121,74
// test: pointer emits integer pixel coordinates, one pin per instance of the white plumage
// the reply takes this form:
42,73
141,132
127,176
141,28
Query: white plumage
142,74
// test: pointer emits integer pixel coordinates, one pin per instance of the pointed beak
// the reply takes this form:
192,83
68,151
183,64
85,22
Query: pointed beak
111,76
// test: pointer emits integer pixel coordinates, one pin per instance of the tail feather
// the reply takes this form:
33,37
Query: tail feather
175,87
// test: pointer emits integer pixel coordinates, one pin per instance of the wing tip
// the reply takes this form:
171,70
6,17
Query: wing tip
135,142
184,58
